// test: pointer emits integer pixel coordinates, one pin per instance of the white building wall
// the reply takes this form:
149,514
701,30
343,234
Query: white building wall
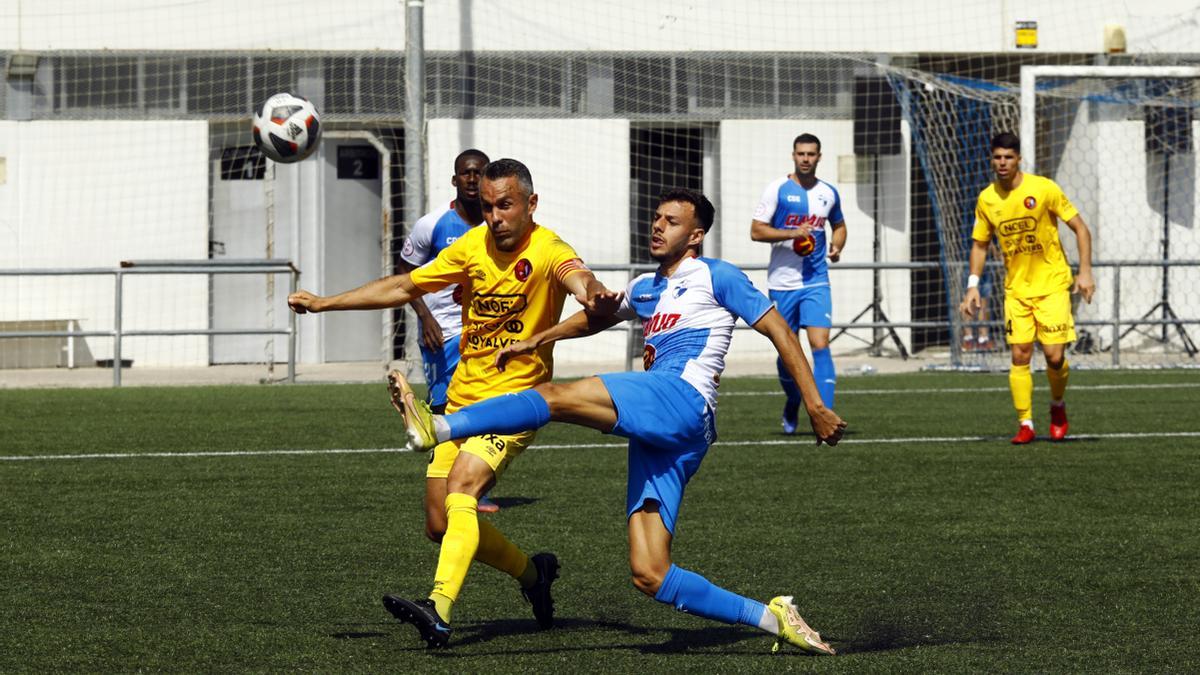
580,171
872,26
94,193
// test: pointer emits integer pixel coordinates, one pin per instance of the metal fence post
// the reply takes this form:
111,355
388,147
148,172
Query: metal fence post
117,300
1116,345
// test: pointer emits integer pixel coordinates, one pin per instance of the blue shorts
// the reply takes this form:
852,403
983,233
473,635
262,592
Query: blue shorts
805,306
669,426
439,368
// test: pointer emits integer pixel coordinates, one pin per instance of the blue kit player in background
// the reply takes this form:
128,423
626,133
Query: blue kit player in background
440,312
791,216
688,308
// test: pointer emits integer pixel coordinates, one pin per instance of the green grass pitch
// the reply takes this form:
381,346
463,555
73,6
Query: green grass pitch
924,543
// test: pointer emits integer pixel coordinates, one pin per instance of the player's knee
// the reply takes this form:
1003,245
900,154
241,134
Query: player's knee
648,578
435,531
1055,361
1022,354
555,398
647,584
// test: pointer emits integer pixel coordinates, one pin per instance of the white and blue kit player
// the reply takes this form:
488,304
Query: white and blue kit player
792,216
688,309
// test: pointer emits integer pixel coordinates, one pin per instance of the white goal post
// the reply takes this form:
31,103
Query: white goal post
1029,78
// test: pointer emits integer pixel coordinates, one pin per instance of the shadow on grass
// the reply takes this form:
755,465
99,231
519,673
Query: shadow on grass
513,502
493,639
917,616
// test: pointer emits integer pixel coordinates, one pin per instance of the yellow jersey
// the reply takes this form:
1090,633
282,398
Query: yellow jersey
507,296
1024,221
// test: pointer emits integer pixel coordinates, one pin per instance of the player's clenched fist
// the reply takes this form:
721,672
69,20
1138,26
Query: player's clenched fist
303,302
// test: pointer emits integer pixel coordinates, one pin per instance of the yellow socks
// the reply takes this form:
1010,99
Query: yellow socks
459,546
1020,381
497,551
1058,381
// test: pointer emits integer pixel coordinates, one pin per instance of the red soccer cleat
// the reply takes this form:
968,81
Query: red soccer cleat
1025,435
1058,422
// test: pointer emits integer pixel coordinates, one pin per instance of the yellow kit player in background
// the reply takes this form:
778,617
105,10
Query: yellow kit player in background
515,276
1020,210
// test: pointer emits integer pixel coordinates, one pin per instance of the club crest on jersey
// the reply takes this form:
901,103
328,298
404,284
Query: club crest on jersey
1030,202
679,290
648,357
522,269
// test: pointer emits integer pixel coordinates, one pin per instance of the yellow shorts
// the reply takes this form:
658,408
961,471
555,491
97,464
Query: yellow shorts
495,449
1047,319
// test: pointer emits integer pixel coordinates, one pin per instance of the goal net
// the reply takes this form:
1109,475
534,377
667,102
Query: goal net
1119,141
124,135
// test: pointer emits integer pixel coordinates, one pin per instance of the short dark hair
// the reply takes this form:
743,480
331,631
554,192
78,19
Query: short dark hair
806,138
510,168
470,153
1008,141
704,208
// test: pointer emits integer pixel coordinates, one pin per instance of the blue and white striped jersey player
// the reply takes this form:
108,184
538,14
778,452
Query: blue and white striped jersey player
791,216
688,309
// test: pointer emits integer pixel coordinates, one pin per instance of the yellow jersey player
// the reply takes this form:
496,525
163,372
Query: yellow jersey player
1021,209
515,276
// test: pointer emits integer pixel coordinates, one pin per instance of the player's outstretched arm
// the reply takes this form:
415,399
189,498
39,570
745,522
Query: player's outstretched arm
392,291
590,292
579,324
1085,285
825,422
971,300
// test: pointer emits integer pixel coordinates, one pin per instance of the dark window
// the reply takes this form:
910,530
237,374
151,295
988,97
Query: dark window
659,158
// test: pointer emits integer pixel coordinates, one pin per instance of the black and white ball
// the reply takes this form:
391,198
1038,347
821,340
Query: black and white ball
287,128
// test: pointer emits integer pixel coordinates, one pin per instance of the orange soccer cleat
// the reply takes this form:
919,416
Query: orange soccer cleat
1025,435
1058,422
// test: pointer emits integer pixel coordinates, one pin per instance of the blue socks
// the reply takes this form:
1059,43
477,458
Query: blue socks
825,375
507,414
790,390
693,594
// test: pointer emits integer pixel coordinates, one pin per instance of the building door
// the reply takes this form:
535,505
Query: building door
352,246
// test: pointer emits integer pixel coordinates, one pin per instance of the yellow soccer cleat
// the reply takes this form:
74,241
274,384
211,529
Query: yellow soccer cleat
793,630
418,419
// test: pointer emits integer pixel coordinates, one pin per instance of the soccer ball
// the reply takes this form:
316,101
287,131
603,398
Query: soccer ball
286,128
804,245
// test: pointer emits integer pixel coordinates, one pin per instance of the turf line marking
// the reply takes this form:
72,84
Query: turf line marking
798,440
971,390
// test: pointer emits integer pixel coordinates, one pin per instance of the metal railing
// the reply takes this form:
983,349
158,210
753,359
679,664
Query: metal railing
1116,322
206,267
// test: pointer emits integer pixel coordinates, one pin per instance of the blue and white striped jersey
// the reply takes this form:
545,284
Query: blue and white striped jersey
688,318
430,234
786,204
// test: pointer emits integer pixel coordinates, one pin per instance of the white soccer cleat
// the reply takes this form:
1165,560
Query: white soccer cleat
418,419
793,629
